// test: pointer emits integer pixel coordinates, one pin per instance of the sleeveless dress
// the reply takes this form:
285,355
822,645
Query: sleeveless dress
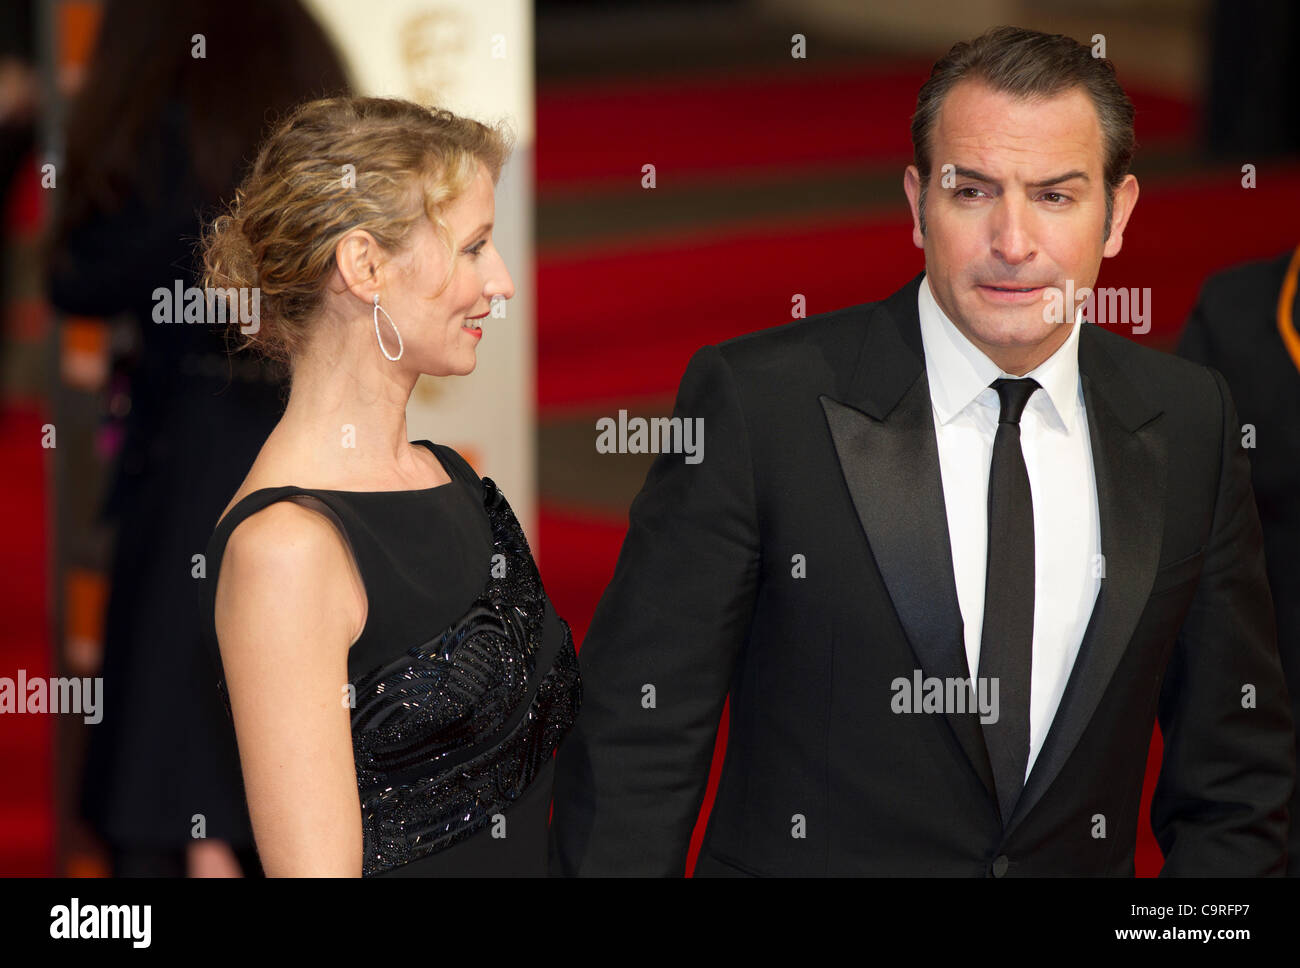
465,678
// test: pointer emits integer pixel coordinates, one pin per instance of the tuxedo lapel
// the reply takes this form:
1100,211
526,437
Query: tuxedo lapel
1129,459
883,431
881,422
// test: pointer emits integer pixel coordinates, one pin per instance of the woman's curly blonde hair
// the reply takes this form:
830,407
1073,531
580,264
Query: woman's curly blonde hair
331,166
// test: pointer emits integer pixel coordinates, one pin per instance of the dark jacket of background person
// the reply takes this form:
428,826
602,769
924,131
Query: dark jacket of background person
157,139
1234,328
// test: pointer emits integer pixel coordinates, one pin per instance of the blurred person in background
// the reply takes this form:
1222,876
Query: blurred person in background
18,105
1244,325
175,100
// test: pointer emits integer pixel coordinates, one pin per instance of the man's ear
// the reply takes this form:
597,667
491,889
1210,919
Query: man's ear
912,189
1126,197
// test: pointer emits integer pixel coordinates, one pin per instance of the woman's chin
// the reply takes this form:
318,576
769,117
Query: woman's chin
459,367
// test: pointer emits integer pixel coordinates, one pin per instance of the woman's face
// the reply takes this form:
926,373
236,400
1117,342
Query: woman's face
441,331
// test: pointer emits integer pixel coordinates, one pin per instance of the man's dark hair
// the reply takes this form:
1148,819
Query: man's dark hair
1029,64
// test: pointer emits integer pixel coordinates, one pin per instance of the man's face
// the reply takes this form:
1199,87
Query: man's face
1022,207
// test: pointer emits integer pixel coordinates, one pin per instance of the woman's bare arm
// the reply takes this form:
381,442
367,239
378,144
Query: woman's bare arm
286,613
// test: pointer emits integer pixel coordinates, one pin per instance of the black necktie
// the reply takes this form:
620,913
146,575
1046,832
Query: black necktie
1006,643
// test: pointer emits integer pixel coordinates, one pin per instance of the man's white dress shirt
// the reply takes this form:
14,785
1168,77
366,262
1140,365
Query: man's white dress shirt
1058,457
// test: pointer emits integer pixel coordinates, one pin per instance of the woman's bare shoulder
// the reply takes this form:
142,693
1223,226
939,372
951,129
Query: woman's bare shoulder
291,559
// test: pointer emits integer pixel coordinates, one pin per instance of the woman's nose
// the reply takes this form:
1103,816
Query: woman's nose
502,285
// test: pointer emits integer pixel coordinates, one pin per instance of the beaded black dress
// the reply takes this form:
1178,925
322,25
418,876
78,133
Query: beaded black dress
465,679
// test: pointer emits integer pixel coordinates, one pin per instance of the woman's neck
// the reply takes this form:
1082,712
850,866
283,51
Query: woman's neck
346,415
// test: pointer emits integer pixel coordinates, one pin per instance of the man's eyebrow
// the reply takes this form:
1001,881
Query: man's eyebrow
1042,183
1056,180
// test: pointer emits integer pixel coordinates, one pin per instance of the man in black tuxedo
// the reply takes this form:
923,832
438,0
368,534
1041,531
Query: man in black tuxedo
950,554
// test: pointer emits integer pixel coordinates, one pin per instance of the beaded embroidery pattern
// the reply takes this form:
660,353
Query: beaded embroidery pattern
445,736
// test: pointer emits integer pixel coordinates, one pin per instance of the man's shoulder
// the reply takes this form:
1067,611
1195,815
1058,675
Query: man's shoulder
1134,356
1169,382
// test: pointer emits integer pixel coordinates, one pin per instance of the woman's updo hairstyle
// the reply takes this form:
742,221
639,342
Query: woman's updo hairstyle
331,166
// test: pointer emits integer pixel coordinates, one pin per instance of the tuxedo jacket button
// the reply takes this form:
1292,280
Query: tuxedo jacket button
1000,865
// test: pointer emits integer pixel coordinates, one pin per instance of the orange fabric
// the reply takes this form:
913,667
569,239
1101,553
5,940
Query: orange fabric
1285,324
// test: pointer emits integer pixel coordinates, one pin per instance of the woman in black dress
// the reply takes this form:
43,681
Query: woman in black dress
397,679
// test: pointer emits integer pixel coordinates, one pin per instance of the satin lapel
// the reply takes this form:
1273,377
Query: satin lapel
1129,461
885,441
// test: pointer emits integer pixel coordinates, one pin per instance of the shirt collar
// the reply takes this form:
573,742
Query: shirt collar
958,371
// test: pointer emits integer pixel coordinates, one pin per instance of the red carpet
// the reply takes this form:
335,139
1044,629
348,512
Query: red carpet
598,135
26,740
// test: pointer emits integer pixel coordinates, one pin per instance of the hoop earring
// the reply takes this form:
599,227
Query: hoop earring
400,348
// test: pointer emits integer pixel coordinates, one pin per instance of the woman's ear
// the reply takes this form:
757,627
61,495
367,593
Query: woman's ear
357,255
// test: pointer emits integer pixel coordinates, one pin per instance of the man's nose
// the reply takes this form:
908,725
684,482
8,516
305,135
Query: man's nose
1012,240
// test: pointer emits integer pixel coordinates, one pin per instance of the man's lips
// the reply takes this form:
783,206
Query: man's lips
1010,294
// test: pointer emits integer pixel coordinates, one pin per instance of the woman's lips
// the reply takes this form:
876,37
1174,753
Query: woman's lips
477,331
